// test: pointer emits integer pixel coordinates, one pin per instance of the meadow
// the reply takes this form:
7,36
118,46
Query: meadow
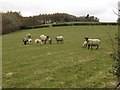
66,65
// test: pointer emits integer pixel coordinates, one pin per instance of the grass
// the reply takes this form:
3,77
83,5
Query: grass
66,65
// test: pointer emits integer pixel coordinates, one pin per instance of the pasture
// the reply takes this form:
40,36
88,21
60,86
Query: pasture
66,65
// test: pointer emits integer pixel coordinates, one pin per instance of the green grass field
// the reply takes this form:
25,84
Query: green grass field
66,65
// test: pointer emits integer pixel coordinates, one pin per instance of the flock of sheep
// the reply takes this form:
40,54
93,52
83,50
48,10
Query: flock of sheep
88,43
42,39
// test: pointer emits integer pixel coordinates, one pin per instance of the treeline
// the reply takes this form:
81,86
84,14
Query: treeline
13,21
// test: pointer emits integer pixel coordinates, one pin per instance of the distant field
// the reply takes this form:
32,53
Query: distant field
66,65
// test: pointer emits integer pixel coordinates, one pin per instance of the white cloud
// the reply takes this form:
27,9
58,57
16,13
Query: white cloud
100,8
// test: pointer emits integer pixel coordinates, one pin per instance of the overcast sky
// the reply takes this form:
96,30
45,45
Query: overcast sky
103,9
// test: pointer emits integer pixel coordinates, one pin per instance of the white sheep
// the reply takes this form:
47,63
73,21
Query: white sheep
44,38
29,41
25,40
28,35
59,39
38,41
93,42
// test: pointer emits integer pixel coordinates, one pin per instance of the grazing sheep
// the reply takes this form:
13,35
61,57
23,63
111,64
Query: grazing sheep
93,42
28,35
38,41
25,40
44,38
59,39
29,41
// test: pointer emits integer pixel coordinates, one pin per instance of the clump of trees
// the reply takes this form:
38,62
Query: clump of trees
13,21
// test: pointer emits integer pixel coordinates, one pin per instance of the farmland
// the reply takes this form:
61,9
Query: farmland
66,65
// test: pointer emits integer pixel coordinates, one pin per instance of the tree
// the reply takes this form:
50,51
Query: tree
116,54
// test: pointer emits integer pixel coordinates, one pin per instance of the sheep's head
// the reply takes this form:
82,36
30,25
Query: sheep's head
55,37
28,35
86,38
47,37
84,44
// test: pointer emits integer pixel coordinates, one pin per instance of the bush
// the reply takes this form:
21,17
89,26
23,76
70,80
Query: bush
62,24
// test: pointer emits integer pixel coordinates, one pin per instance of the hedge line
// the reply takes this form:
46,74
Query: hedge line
32,27
81,24
67,24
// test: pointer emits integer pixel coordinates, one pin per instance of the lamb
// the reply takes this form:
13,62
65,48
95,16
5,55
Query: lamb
38,41
59,39
93,42
28,35
44,38
29,41
25,40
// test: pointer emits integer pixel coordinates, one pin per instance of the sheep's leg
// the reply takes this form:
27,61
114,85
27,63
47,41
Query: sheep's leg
62,41
91,47
42,41
45,41
50,41
88,46
25,42
57,41
97,47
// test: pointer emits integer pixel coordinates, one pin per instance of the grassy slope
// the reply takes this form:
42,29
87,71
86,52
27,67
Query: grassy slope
58,65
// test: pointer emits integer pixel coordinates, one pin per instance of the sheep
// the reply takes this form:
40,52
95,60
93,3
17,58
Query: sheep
59,39
25,40
38,41
44,38
29,41
93,42
28,35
